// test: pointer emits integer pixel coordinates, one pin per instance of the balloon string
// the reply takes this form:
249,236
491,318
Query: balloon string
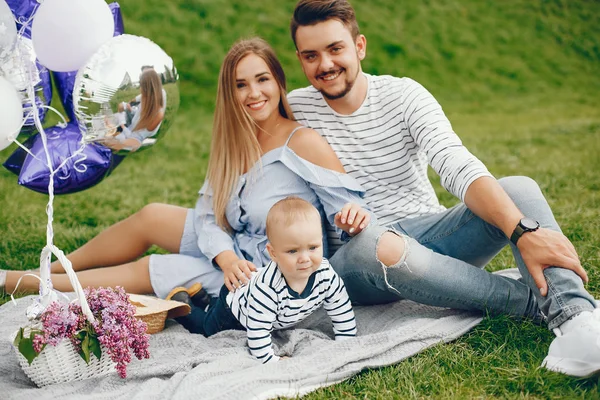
55,111
46,288
26,22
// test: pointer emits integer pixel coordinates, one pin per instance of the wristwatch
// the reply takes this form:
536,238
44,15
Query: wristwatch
524,225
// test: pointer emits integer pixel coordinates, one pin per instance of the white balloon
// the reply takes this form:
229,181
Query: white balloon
8,29
66,33
11,113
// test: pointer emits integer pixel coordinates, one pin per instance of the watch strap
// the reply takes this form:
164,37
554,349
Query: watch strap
517,233
520,229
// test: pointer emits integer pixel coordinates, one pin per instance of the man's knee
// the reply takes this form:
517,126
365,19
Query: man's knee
373,247
390,248
520,188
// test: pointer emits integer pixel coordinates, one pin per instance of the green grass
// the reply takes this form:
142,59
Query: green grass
519,80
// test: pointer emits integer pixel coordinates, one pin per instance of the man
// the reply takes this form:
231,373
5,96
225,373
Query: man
386,130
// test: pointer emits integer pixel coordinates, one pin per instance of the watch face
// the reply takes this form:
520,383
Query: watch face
529,223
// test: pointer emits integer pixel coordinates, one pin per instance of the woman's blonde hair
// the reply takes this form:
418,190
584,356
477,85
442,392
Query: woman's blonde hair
152,100
235,148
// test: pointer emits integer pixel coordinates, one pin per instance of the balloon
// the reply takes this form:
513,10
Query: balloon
8,29
119,85
22,69
81,172
24,9
16,159
65,80
66,33
115,9
11,114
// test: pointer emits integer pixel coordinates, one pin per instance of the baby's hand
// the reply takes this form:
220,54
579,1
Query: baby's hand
352,219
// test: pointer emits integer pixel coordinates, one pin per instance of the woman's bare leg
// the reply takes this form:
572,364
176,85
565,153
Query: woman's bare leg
134,277
155,224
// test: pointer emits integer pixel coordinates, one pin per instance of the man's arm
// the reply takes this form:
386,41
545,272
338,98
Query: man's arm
540,249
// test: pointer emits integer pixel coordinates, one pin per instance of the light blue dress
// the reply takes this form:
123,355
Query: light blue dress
280,173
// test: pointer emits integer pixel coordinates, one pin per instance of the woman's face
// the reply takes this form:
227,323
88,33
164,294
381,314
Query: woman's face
256,88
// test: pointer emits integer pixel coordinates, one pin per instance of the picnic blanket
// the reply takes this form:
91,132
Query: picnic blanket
184,365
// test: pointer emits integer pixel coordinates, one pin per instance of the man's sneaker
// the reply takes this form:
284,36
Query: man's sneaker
576,349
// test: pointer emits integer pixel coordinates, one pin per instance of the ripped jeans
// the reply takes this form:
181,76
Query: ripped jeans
443,262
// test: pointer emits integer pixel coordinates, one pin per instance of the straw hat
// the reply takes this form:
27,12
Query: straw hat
154,311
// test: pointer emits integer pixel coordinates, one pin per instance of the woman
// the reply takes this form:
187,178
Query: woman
145,118
259,155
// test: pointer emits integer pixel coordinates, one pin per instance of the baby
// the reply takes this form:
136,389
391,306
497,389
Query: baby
292,286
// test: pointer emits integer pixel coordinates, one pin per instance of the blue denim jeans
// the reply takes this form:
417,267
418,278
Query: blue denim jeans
217,318
443,264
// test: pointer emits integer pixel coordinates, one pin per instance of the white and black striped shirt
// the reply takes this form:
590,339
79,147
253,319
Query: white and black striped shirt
388,142
267,303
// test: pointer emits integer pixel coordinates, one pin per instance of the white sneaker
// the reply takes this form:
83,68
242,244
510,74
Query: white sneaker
576,349
2,279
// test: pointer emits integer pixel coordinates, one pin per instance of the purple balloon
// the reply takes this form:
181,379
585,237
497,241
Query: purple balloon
115,9
79,173
65,81
17,158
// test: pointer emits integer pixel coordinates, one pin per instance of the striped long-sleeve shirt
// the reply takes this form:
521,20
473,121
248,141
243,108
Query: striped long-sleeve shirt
388,142
267,303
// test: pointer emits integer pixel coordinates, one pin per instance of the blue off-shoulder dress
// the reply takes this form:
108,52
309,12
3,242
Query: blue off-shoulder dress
279,173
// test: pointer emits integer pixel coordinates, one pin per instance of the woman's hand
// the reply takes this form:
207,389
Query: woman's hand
352,219
237,273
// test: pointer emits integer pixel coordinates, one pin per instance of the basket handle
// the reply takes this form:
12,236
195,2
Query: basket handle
46,283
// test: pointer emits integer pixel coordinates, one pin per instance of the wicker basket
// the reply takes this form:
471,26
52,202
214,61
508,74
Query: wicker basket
62,363
154,311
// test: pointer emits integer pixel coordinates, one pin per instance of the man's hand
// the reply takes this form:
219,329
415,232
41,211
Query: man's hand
546,248
352,219
237,273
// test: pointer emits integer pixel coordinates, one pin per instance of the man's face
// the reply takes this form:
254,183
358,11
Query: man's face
329,56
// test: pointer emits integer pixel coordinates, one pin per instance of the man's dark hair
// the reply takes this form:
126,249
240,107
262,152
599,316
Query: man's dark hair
311,12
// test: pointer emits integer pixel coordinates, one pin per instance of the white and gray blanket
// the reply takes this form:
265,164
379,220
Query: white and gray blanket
184,366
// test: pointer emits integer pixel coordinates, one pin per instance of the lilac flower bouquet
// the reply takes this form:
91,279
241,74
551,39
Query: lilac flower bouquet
115,330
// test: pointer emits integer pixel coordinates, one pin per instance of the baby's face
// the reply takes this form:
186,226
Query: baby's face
298,249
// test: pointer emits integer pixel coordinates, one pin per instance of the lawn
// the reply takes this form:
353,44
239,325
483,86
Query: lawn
520,81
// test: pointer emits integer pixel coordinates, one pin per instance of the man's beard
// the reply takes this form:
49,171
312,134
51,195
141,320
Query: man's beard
344,91
341,94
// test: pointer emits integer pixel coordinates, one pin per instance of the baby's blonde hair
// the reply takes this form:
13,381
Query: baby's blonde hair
289,210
